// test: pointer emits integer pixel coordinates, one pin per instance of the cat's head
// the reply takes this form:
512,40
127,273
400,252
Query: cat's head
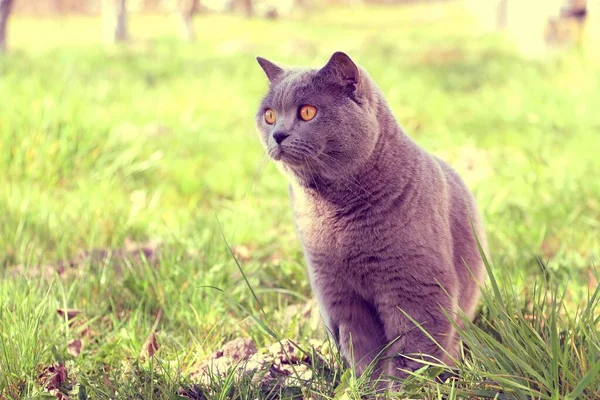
318,124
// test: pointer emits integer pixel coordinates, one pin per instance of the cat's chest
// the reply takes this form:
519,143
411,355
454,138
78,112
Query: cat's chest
335,251
318,231
339,230
325,232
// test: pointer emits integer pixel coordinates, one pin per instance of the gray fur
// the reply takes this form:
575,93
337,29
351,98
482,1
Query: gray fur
383,224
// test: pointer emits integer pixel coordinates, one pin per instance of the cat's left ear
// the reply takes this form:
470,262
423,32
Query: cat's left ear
341,68
272,70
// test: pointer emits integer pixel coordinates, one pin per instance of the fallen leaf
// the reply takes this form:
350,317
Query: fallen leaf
52,378
285,351
88,333
150,347
69,312
592,281
239,349
242,252
59,395
74,347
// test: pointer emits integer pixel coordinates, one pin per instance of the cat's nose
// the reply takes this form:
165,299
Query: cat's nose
280,136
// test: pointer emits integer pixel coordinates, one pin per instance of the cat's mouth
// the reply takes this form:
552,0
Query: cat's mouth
276,153
286,155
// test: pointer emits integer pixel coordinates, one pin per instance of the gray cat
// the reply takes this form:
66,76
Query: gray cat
384,225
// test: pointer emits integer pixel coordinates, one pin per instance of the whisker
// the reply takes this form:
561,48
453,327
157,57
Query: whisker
353,181
303,152
261,165
343,181
312,176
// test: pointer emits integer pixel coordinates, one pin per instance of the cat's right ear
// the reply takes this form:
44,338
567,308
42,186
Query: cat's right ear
342,69
272,70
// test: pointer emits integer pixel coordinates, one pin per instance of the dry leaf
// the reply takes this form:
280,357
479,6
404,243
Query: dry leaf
69,312
592,281
52,377
88,333
242,252
150,347
239,349
74,347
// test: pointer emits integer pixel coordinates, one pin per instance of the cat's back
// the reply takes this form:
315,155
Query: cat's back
466,226
463,207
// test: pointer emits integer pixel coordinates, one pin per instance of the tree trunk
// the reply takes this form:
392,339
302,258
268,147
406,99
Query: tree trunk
502,14
121,28
232,5
248,9
187,10
115,20
5,9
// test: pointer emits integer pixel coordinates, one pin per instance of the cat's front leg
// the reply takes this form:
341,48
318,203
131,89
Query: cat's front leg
356,328
407,339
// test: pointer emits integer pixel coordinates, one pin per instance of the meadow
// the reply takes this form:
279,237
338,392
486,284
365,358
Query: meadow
151,146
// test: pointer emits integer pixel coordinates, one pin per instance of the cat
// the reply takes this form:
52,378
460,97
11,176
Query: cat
384,225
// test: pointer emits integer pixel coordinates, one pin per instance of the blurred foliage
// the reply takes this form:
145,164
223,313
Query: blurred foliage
156,140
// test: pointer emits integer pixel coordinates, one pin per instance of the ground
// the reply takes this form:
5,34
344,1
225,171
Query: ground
142,227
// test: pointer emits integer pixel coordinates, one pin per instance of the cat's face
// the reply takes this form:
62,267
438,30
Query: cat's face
318,124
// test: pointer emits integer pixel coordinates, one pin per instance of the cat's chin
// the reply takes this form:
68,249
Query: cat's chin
280,155
276,153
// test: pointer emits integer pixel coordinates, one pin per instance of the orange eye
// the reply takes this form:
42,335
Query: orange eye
270,116
308,112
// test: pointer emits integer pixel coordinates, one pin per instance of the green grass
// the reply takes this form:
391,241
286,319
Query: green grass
156,141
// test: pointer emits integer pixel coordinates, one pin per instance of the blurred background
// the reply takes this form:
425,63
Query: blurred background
128,126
